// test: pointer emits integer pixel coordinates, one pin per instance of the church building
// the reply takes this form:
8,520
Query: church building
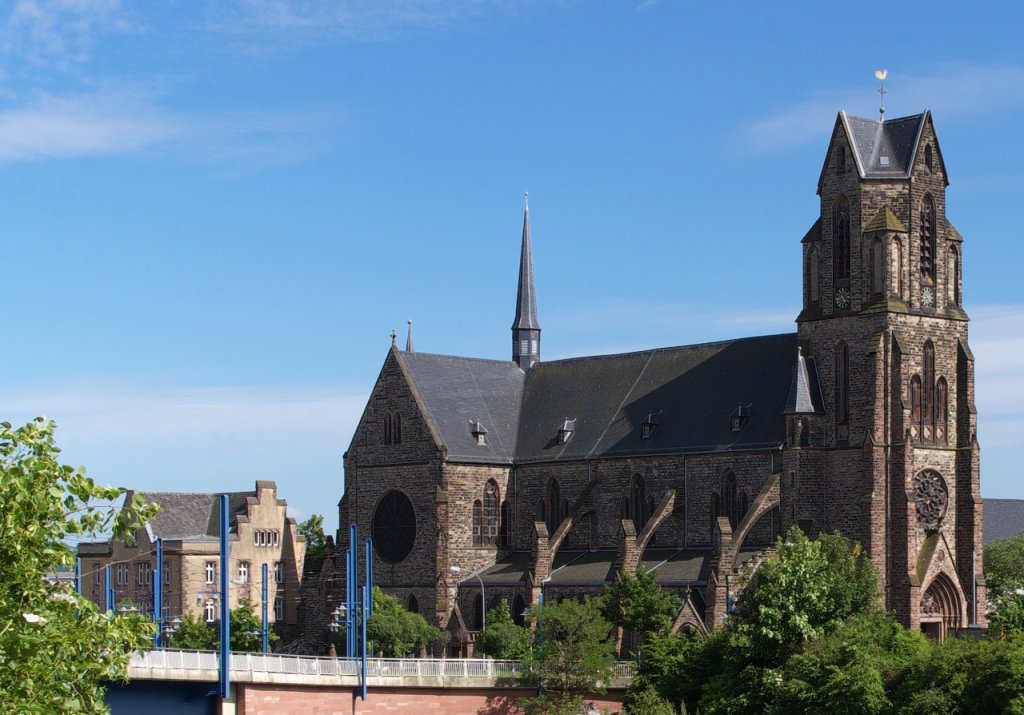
481,480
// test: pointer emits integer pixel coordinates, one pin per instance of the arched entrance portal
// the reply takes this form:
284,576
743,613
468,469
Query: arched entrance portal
940,608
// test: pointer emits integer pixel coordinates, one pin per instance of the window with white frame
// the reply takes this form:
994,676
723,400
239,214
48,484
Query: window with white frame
210,612
211,572
243,572
122,575
143,573
278,609
278,572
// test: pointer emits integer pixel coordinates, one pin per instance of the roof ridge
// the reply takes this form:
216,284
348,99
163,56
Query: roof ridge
669,348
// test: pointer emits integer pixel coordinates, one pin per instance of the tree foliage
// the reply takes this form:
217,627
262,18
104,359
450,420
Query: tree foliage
394,631
503,638
571,654
808,590
1004,574
638,604
56,648
316,543
195,634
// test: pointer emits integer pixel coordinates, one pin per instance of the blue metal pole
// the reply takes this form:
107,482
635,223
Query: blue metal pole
369,575
266,634
158,592
109,588
225,606
362,667
353,590
349,608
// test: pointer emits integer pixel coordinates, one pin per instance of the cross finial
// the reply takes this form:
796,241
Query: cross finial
394,336
881,75
526,199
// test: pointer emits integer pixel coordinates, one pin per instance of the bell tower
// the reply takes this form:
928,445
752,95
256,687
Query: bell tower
892,459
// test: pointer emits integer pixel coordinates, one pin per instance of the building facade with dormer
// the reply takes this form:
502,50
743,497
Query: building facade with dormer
550,478
188,524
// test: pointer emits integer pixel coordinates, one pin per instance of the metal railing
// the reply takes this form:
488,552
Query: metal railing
468,668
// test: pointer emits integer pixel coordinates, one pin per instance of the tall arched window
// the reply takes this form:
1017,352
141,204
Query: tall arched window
840,160
896,381
876,281
638,502
387,428
928,160
928,393
505,526
478,612
841,239
842,383
928,239
554,506
941,411
812,274
478,523
396,429
915,406
953,277
490,516
896,268
412,605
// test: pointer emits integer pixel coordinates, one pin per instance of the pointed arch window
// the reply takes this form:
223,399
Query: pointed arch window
928,393
392,428
729,502
841,239
478,523
896,268
554,505
915,406
505,525
638,502
840,160
812,274
412,605
953,277
941,411
896,381
928,157
928,239
490,513
387,428
842,373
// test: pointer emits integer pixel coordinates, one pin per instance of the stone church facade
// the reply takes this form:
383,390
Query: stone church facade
547,479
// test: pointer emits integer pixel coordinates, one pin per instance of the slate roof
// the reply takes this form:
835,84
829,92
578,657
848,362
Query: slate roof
191,516
885,150
457,392
695,388
673,567
804,392
1004,518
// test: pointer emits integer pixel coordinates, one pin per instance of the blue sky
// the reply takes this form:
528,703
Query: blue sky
214,213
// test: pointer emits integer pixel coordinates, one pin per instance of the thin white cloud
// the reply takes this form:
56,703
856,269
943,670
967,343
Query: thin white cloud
50,127
955,90
60,32
122,413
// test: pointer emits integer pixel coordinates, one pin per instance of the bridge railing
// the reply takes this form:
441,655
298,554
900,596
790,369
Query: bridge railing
467,668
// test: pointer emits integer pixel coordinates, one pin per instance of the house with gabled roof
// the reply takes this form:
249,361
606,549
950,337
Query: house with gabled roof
481,480
188,525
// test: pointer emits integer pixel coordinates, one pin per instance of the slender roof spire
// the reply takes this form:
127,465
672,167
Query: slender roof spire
526,298
408,340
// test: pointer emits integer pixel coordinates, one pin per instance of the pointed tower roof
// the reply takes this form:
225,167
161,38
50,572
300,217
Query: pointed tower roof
526,298
885,220
804,391
408,340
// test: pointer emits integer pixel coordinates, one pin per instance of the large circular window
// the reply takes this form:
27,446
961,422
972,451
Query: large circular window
930,498
394,527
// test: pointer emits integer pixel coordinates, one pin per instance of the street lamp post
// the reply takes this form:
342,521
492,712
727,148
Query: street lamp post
483,595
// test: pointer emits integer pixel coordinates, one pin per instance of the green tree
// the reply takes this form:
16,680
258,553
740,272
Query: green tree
316,543
503,638
56,648
676,665
394,631
571,654
649,702
638,604
246,629
807,590
194,634
1004,575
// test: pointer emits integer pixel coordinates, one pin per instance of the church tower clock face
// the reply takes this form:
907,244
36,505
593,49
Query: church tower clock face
927,297
843,297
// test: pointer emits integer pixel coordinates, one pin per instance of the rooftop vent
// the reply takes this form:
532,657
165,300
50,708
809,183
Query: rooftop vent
479,431
883,161
650,424
566,431
740,417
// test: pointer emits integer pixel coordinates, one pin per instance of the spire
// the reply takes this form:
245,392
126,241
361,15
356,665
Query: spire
804,391
408,340
525,327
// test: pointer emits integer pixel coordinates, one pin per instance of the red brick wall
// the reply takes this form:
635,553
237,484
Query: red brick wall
295,700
